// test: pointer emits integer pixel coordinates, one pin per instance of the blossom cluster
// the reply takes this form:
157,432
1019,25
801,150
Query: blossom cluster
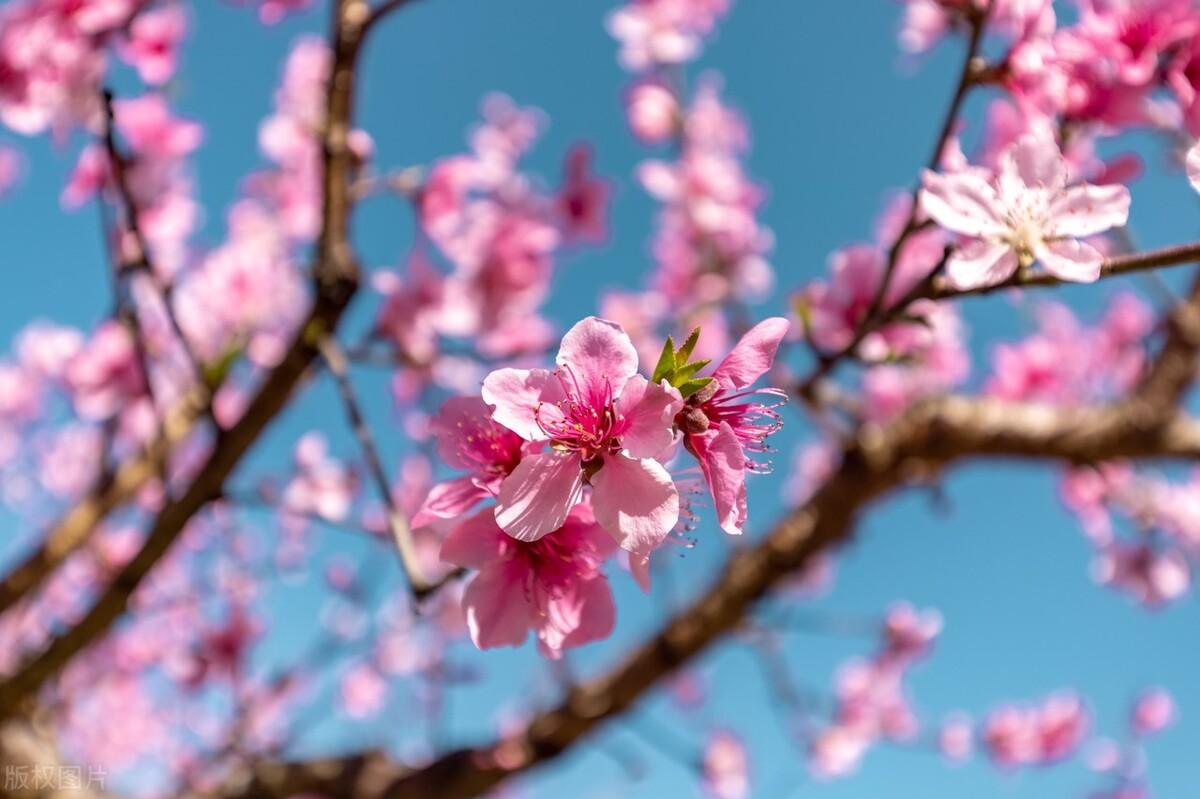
576,462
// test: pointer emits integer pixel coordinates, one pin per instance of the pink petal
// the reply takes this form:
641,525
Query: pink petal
1036,162
635,501
475,543
459,417
1086,210
448,500
536,498
753,355
1193,166
724,466
1071,260
981,263
600,356
649,410
591,612
962,202
497,607
515,394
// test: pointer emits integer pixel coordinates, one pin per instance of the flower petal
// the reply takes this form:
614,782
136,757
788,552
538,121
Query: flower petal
962,202
515,394
1193,166
723,463
475,542
753,355
1086,210
593,612
448,500
536,498
497,607
635,501
600,356
1071,260
649,410
981,263
1034,161
457,419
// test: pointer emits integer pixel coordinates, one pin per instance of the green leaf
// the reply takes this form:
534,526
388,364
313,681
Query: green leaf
692,386
686,372
685,352
666,362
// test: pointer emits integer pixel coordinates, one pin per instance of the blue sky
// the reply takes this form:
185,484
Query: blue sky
839,119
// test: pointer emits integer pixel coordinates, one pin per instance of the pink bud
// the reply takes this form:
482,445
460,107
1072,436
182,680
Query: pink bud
653,112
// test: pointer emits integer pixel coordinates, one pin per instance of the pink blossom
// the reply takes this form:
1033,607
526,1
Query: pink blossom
583,199
1153,576
956,738
1038,735
655,32
1026,213
322,486
604,423
362,692
467,438
721,427
105,376
153,43
553,585
653,111
909,633
726,766
1153,712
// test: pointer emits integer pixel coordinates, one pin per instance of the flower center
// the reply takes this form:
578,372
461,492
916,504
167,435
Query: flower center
582,421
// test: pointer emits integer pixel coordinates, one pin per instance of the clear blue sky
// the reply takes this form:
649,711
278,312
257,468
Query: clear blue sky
838,120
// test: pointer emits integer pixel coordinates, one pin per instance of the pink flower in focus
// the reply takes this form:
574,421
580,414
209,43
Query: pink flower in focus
1024,214
1153,712
553,585
721,427
726,766
468,439
605,424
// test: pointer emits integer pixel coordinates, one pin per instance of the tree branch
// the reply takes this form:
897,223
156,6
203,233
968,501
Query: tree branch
335,275
923,442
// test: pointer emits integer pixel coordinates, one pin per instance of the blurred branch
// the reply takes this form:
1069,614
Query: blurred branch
929,438
335,276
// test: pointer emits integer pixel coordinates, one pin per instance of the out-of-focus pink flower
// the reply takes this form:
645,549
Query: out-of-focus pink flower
105,376
363,691
1016,736
553,585
655,32
152,130
1153,576
908,633
1153,712
468,439
726,766
583,198
1026,213
10,169
722,424
322,486
956,738
153,42
653,111
604,422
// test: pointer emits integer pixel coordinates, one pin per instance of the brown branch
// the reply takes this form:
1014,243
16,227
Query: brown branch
936,287
335,275
335,359
926,440
74,528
